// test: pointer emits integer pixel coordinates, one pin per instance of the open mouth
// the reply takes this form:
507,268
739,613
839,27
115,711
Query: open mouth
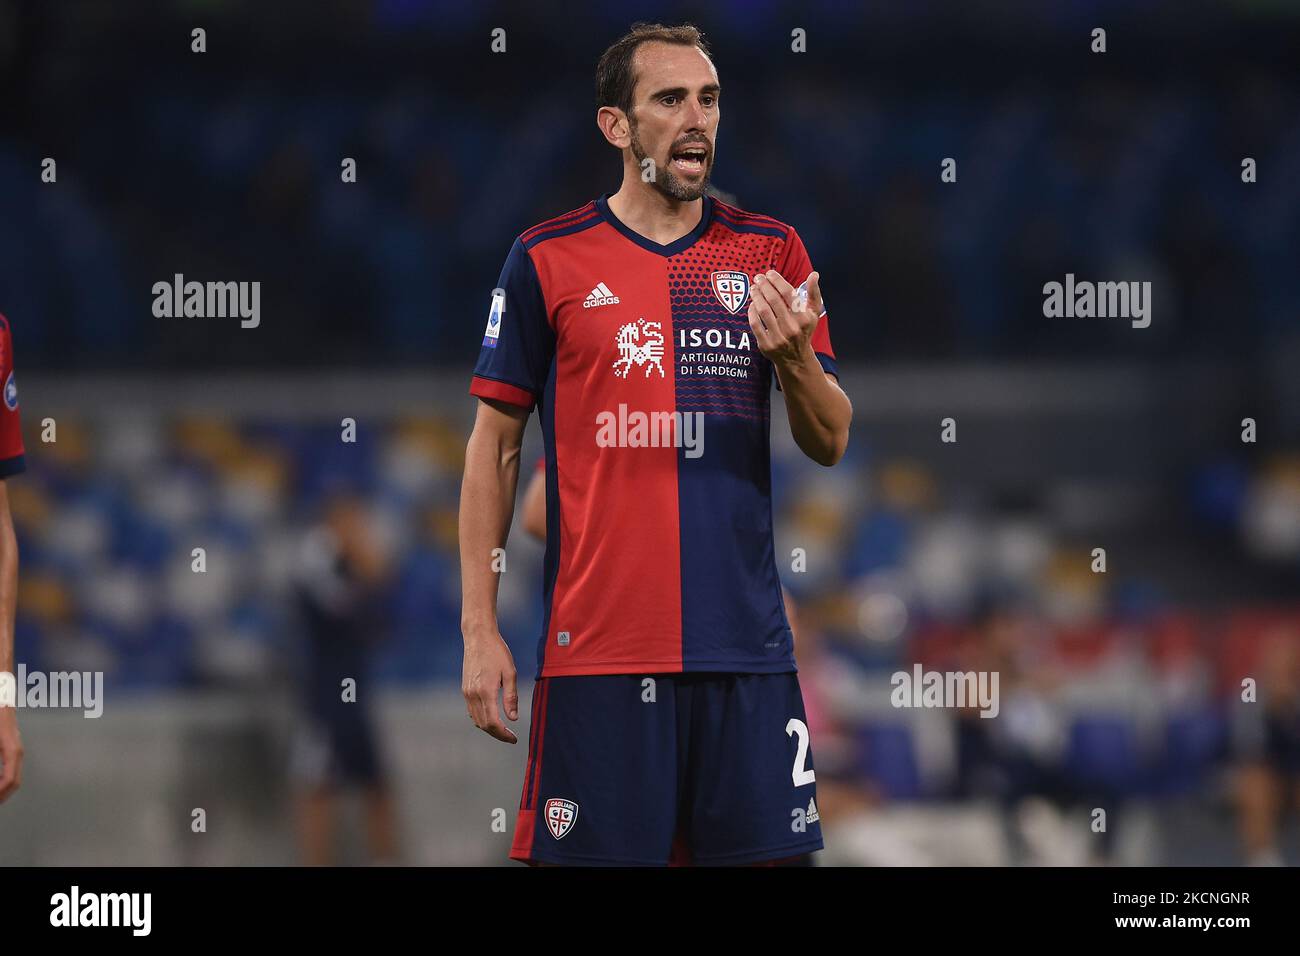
690,160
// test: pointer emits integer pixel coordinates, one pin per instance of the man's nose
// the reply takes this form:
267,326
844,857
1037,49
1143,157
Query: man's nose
699,116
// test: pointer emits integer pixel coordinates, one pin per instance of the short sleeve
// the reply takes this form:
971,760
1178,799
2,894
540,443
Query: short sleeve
12,460
518,342
795,267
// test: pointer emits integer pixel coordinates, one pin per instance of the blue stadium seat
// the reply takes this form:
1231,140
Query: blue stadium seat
1102,754
887,756
1193,742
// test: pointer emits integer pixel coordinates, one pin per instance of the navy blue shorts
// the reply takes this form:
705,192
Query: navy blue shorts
652,770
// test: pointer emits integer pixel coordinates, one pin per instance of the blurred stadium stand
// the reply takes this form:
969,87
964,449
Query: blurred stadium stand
1118,684
226,165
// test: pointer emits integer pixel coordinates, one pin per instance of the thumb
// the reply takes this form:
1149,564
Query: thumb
815,294
512,695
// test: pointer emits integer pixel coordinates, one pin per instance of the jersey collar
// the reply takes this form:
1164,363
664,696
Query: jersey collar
674,247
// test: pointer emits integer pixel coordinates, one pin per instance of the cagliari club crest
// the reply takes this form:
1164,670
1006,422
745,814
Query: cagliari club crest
560,815
731,288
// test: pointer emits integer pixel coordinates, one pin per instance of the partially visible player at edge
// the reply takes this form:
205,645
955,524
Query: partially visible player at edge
667,722
12,462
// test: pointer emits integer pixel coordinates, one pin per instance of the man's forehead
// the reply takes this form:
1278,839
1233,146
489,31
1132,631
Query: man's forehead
661,65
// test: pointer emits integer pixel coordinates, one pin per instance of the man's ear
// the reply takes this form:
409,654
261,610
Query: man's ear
614,125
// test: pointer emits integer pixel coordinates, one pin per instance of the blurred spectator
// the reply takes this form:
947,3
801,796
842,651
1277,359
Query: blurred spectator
340,594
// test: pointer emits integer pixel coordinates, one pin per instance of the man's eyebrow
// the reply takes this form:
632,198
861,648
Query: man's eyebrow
713,88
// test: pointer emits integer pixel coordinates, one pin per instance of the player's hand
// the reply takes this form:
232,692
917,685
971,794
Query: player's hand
784,336
11,753
489,667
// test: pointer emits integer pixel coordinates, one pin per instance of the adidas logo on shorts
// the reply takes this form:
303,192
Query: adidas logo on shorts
599,296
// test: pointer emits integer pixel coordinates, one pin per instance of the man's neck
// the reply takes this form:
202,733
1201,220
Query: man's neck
649,213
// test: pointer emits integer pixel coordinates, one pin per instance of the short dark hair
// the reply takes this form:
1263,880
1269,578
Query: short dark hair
615,78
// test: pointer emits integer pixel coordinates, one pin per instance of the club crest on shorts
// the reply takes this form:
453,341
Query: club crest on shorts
560,815
731,288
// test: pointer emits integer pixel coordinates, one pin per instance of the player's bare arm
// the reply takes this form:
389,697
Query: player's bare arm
11,744
819,411
487,500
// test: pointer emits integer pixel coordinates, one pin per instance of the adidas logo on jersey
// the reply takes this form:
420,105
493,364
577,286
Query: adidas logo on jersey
599,296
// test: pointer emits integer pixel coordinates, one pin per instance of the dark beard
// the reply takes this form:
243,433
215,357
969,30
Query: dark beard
664,180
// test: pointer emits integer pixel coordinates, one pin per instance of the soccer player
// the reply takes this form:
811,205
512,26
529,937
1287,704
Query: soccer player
1266,745
12,463
648,327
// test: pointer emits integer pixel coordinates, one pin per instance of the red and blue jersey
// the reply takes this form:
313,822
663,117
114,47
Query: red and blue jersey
11,434
654,403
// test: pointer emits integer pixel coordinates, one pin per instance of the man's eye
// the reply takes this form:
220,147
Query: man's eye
709,101
669,101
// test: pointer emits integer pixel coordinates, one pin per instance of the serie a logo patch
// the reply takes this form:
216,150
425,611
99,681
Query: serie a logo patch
560,815
496,314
